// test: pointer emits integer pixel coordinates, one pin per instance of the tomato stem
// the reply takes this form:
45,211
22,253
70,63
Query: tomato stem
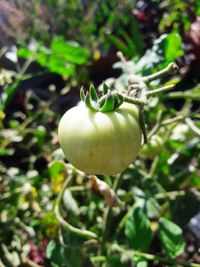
160,90
171,68
142,124
133,100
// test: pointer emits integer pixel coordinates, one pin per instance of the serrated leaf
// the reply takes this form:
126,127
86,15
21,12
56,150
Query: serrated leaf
138,231
93,93
171,237
108,104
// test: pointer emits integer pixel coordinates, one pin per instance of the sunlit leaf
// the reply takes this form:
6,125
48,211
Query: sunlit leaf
69,51
171,237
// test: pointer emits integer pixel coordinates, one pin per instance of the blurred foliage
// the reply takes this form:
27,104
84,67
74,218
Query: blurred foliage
161,191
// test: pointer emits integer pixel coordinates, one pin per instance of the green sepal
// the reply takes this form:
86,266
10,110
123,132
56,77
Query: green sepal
105,88
91,104
108,104
118,100
93,93
82,94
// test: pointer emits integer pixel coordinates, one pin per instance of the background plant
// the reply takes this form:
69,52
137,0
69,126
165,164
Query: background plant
156,191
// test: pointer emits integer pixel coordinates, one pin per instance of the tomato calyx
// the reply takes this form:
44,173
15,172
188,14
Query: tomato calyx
109,101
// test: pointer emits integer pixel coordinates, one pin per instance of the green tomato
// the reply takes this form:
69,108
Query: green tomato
153,148
100,143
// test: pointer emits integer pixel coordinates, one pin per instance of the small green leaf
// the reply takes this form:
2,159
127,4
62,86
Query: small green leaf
171,237
93,93
138,231
108,104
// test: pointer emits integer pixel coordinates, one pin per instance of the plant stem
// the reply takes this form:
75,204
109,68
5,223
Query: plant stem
192,126
171,68
164,123
148,257
153,166
132,100
160,90
108,216
171,195
181,94
142,124
81,233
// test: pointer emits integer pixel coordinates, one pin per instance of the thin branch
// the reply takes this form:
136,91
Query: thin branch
148,257
142,124
132,100
108,215
82,233
160,90
170,195
171,68
192,126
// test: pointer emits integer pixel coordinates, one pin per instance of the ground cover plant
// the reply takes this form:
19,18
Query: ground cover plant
125,192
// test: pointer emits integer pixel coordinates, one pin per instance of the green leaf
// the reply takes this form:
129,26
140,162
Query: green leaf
56,167
58,65
24,52
54,253
138,231
173,47
142,264
171,237
166,49
6,151
119,44
69,51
